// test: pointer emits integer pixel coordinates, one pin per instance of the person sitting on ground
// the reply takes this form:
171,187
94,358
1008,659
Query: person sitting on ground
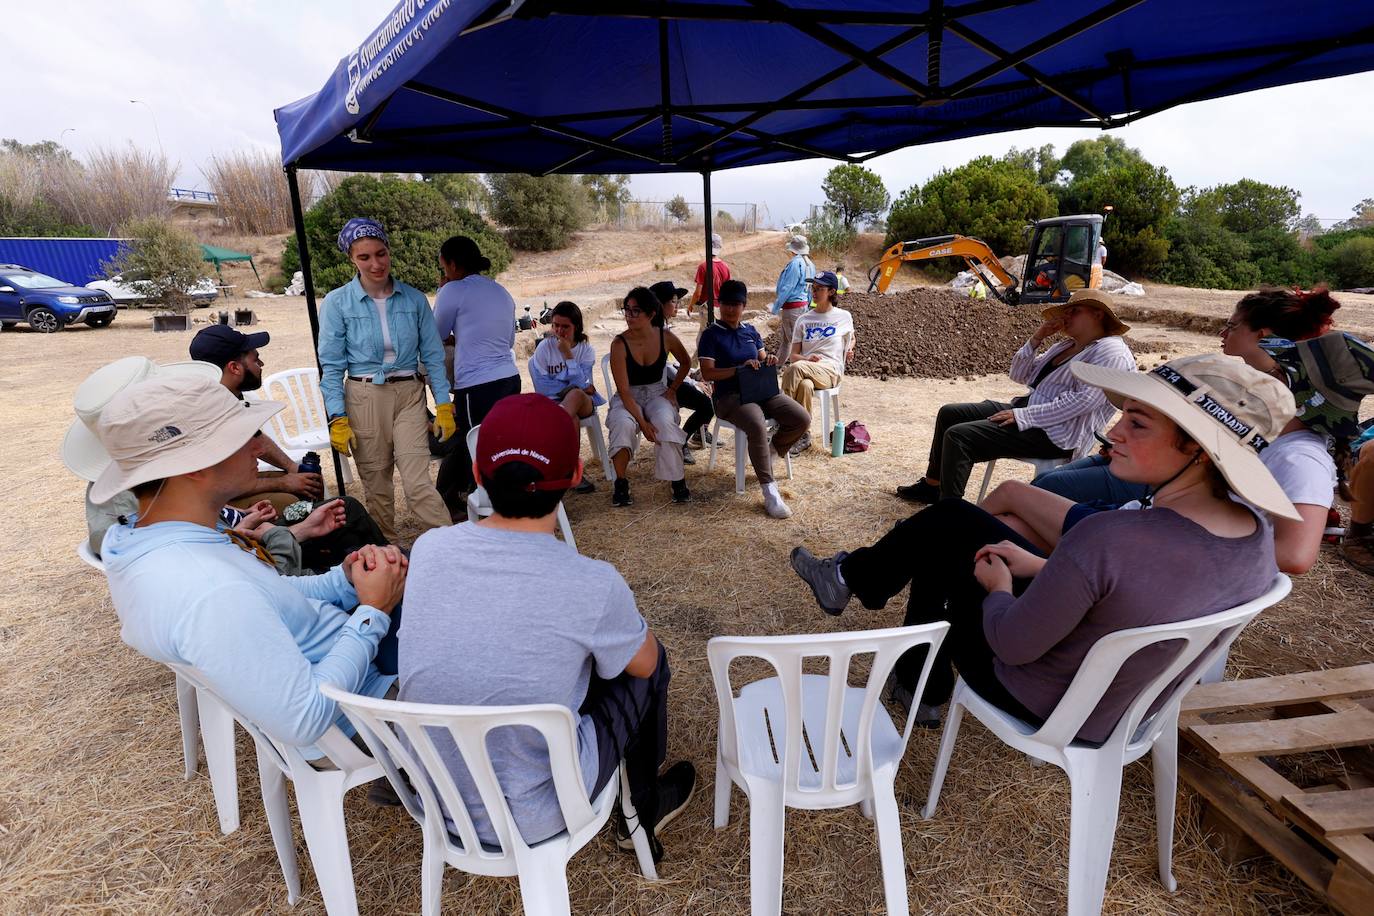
589,650
562,367
720,272
1191,430
689,396
240,364
643,401
793,293
822,343
189,594
1057,419
724,349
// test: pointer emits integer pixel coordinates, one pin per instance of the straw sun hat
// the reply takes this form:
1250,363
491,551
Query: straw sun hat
1093,298
1228,408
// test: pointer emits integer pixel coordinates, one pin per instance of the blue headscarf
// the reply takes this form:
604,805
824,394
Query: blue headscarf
361,228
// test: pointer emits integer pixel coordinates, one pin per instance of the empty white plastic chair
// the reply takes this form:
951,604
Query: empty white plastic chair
304,425
813,741
541,868
741,452
220,757
319,799
829,399
1095,772
479,503
1041,465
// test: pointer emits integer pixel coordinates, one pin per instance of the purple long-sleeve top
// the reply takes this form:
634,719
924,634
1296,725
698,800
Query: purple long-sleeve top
1114,571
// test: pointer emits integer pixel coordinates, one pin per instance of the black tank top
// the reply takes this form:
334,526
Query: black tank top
645,375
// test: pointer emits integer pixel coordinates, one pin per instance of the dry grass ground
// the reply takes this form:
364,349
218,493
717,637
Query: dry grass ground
94,815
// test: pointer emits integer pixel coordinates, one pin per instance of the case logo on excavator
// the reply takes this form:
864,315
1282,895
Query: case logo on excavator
940,252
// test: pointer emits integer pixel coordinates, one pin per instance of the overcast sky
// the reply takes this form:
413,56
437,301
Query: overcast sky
208,75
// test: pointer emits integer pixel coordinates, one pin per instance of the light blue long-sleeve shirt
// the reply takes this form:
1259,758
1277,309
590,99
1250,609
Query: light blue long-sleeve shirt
186,594
551,372
792,282
351,341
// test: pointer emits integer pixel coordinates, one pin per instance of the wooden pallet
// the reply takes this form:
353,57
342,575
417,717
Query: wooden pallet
1237,733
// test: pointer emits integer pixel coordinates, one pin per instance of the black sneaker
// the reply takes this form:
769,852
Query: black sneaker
621,496
586,486
687,456
675,788
800,445
822,575
900,696
920,492
680,492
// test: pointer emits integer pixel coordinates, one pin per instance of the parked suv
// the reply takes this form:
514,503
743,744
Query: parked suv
47,303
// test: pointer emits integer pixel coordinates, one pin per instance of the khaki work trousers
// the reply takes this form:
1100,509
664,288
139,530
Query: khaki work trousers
391,425
801,380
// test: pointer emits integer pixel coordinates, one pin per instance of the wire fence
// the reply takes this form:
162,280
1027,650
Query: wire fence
742,218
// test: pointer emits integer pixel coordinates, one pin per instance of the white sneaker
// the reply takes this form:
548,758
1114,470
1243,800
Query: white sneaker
772,502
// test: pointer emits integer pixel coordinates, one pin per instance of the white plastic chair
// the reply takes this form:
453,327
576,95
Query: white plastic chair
199,720
741,451
1041,465
305,412
596,438
479,503
319,799
1095,772
813,741
541,868
830,408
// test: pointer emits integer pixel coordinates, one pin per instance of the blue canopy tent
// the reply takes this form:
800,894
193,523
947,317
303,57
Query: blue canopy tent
601,86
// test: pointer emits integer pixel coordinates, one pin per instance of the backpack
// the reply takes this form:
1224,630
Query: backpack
856,437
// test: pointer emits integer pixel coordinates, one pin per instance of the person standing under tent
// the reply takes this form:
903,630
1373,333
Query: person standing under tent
720,272
793,293
375,332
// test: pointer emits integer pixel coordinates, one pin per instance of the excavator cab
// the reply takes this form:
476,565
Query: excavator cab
1060,258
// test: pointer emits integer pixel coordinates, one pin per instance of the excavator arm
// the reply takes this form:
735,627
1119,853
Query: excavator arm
976,254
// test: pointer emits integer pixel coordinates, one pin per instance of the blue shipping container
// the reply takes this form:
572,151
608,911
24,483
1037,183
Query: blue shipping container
74,261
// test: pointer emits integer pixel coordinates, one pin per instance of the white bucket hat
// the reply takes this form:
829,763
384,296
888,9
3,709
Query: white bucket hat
170,425
82,452
1233,411
717,243
797,244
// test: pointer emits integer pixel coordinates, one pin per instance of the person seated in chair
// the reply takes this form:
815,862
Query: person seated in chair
562,368
187,593
689,396
822,343
1021,624
1057,419
506,640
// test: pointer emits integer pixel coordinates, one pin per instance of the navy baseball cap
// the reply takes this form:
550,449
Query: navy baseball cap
825,278
221,344
734,292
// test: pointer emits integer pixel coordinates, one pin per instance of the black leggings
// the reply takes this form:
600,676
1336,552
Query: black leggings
699,403
454,480
932,551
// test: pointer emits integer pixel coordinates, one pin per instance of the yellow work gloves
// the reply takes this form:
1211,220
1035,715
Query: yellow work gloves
341,436
444,423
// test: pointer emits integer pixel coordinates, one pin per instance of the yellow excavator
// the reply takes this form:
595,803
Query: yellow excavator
1061,259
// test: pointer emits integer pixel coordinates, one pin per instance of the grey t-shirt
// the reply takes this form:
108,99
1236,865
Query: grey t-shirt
506,618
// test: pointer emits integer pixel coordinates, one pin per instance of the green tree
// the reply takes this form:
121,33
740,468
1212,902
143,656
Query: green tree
1088,158
461,189
608,191
1042,162
1363,218
1352,262
1143,199
417,217
165,260
986,198
1208,256
855,193
678,209
1245,206
540,214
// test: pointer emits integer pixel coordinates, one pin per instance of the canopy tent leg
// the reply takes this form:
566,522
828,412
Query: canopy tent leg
708,278
298,215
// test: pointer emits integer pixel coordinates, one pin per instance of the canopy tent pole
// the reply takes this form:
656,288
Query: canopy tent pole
708,277
303,248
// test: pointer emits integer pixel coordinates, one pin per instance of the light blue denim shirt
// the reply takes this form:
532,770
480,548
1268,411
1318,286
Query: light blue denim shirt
792,282
351,341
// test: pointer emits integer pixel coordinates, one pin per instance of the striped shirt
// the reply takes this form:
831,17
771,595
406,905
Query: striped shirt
1068,410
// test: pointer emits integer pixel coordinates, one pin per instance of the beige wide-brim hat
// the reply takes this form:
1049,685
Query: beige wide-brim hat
82,452
167,426
1094,298
1228,408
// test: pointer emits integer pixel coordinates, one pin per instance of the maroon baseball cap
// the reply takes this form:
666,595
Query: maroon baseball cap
533,430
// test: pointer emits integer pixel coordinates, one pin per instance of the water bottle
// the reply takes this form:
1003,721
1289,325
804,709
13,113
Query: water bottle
837,440
310,464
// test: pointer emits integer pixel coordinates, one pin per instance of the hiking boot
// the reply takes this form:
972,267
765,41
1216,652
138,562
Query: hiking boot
586,486
1359,552
675,788
621,494
822,574
680,492
800,445
687,456
699,439
920,492
900,697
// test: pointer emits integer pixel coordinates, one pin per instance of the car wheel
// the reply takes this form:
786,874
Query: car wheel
44,320
99,321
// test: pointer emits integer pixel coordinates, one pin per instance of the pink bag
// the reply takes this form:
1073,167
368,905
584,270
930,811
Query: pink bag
856,437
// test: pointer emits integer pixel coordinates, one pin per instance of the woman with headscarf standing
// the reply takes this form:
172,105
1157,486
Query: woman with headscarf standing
480,315
375,331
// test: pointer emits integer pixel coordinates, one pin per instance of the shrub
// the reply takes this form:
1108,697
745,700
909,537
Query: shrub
540,214
465,191
166,261
677,209
855,194
115,187
416,216
252,191
986,198
1206,255
828,233
1352,262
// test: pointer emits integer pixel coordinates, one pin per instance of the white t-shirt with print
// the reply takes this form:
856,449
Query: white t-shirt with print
824,334
1303,467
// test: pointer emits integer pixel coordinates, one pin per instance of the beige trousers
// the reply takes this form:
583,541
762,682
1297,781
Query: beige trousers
390,423
800,381
788,321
